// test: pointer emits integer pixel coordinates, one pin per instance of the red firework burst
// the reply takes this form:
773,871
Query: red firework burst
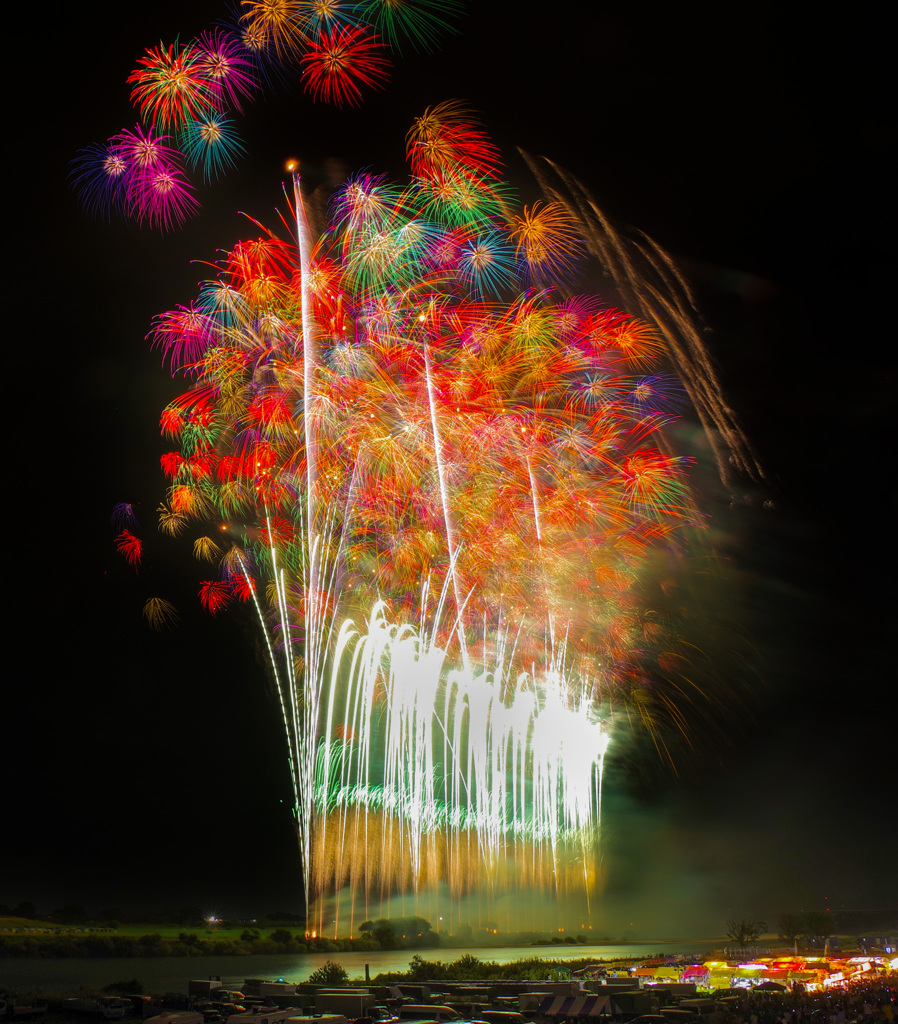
341,62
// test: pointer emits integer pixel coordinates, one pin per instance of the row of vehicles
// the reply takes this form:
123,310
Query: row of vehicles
209,1002
285,1004
690,1011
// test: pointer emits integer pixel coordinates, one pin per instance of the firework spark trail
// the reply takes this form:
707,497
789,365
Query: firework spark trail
668,304
444,497
389,447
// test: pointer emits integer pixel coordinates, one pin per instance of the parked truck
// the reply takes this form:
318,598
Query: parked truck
347,1002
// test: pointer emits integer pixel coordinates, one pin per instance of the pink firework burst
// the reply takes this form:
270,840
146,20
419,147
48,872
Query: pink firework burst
158,191
228,68
164,199
144,149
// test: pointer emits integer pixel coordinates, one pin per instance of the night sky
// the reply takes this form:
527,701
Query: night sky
147,770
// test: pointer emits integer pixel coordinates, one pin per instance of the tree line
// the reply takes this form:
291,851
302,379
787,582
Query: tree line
384,933
811,926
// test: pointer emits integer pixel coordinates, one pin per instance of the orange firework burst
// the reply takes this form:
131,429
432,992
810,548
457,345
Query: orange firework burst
278,26
547,240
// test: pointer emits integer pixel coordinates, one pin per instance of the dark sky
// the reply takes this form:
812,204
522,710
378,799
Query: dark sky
754,146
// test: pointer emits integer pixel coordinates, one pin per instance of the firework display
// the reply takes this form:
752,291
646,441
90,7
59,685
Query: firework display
185,93
438,479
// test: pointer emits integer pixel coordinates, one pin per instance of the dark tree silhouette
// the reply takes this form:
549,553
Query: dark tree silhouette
745,930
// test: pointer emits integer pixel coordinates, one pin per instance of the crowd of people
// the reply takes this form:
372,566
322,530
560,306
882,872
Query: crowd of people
867,1001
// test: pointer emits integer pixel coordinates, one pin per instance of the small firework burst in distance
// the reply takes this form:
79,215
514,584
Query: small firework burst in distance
205,549
123,515
160,614
129,545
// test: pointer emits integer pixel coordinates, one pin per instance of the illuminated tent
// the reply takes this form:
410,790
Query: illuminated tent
697,974
669,973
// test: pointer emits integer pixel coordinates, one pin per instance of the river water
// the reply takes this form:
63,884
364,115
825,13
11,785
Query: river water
171,974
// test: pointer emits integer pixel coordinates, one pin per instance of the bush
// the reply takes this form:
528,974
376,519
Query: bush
324,945
151,945
125,945
329,973
468,966
120,988
98,945
223,947
267,946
